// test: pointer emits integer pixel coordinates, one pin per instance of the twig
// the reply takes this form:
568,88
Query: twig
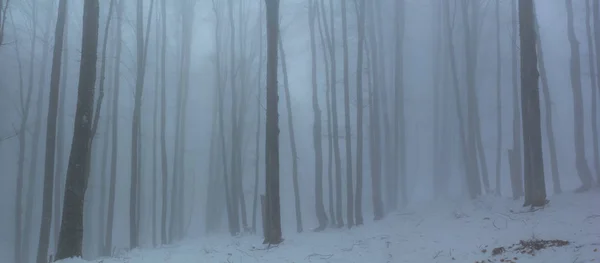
321,256
437,254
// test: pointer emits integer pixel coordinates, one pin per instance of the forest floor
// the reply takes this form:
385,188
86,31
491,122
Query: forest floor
490,229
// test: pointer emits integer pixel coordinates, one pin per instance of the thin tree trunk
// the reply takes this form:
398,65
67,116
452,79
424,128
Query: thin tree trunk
515,154
25,107
163,126
324,47
60,142
317,122
359,113
548,115
596,22
498,102
115,135
374,131
349,179
155,142
258,114
288,102
583,170
594,87
400,120
71,236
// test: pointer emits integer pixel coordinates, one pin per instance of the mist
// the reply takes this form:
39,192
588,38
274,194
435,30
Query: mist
173,143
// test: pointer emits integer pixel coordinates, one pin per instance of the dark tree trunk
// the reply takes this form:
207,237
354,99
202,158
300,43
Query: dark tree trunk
535,188
71,232
273,217
399,171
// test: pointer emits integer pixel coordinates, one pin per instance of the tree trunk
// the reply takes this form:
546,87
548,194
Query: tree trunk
71,234
516,175
374,131
583,170
400,120
258,114
594,87
336,145
107,251
596,21
548,111
273,217
25,107
317,130
349,179
163,126
498,102
535,188
324,47
359,112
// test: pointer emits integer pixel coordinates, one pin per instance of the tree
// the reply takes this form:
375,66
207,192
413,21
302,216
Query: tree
71,234
515,158
288,104
324,47
46,221
594,87
360,13
535,188
548,111
115,134
374,131
349,187
317,130
400,119
258,117
163,124
498,101
583,170
4,4
273,216
596,27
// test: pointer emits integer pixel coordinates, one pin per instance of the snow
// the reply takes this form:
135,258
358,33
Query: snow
447,231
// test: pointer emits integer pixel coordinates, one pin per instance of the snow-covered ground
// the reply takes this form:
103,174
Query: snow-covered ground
435,232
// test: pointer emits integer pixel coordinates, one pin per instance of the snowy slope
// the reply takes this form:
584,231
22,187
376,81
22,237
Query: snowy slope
442,232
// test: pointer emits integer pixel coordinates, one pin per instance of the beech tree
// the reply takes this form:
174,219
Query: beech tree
71,236
273,233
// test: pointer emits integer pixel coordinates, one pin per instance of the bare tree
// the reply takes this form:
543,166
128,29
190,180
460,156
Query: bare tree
374,131
4,4
360,13
400,119
71,236
258,117
594,87
273,217
515,158
349,187
498,101
163,124
548,111
596,27
583,170
535,188
115,135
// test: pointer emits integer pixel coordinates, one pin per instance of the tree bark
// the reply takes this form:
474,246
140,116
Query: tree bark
273,217
358,217
535,188
594,87
583,170
71,232
548,115
516,175
107,251
349,179
498,102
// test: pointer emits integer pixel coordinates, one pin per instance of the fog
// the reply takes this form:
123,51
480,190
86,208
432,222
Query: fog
432,168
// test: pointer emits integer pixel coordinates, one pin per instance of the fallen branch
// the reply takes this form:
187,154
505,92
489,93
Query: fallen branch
321,256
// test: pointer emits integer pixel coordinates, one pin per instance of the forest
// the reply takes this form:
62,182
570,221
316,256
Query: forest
128,125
